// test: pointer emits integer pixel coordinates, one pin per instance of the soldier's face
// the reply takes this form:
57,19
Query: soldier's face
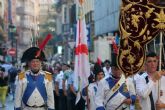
35,65
107,65
116,71
151,64
100,75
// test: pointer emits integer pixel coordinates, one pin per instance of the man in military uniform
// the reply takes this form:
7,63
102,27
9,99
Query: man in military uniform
113,92
34,89
92,88
147,83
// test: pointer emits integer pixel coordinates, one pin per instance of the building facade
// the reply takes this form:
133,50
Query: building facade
106,16
106,20
27,23
3,28
47,23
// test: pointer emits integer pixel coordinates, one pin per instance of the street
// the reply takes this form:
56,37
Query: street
9,104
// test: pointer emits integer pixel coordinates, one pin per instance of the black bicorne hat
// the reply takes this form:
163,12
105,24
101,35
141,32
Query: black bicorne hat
114,60
33,53
97,69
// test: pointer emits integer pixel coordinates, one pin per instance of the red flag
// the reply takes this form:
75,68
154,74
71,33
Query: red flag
82,66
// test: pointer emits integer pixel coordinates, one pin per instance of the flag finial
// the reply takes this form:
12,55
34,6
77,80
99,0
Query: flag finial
81,2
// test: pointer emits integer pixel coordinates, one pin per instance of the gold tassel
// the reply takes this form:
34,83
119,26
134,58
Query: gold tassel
137,104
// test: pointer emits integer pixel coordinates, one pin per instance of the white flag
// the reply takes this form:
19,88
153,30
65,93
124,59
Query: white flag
82,67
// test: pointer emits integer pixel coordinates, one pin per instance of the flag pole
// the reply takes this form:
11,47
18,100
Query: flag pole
81,11
155,46
82,67
160,61
163,55
87,99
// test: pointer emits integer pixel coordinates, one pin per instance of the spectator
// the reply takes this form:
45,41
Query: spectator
3,86
12,72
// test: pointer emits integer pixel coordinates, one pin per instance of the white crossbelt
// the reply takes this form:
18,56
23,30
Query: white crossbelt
114,89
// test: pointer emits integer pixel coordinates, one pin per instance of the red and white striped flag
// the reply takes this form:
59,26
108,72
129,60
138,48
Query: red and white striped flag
82,67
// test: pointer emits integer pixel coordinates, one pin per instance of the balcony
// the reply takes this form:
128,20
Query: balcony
24,11
20,10
25,24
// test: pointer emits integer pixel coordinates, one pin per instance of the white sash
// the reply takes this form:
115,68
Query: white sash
114,89
115,102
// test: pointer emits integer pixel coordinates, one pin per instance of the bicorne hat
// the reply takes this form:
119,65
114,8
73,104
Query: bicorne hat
97,69
114,60
33,53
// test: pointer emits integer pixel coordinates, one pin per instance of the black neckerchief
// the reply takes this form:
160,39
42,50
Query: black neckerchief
116,79
34,73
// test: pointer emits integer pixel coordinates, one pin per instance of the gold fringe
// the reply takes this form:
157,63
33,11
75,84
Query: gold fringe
48,76
21,75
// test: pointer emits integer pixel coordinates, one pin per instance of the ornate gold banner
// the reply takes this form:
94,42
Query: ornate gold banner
140,22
